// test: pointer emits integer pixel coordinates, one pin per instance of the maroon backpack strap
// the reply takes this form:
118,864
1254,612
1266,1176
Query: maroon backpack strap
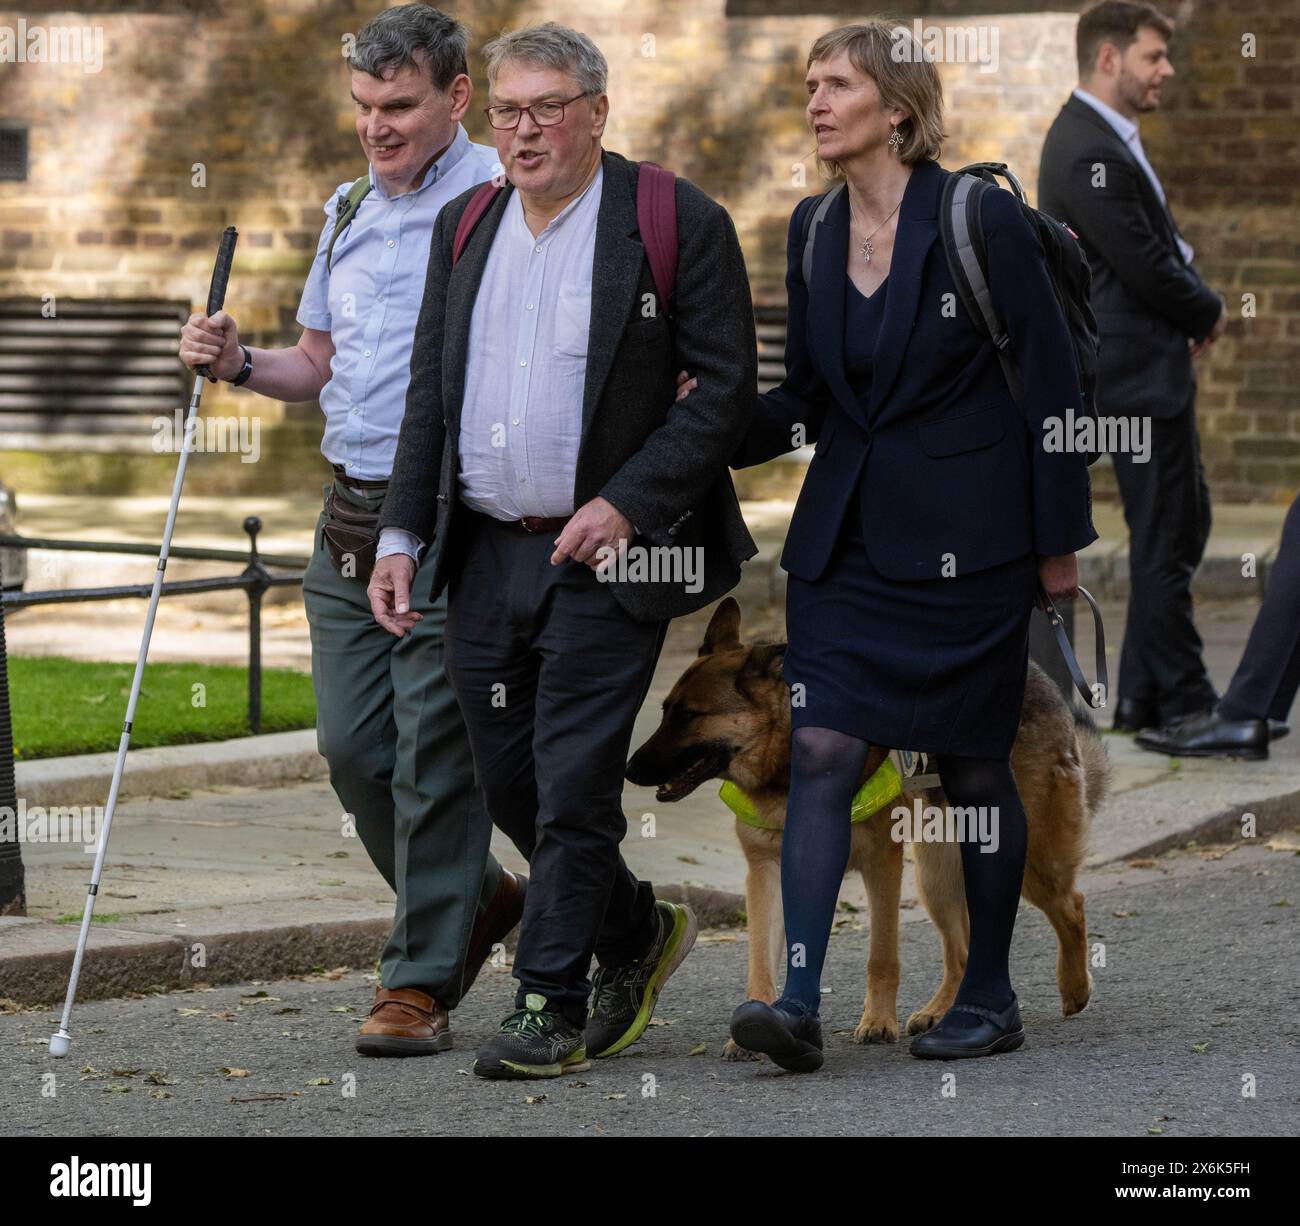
479,203
656,215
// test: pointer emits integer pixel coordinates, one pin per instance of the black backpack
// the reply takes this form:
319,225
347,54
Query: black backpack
1067,267
962,232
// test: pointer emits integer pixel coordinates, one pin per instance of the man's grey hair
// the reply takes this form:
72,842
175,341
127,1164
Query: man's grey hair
551,46
391,41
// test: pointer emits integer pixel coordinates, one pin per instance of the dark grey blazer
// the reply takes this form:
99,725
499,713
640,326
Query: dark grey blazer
1147,299
663,464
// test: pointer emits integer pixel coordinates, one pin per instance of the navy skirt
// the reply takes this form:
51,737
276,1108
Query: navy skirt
932,665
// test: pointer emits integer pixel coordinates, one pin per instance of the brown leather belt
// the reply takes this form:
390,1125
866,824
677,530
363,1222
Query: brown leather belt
536,523
357,483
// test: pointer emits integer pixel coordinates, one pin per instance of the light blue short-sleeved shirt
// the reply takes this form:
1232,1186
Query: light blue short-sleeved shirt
370,300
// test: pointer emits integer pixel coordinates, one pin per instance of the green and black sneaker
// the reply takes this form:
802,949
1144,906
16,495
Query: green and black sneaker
533,1042
623,997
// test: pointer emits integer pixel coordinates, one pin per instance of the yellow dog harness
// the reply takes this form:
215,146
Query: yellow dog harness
872,796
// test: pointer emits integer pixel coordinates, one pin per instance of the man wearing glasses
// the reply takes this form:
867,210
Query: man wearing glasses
540,451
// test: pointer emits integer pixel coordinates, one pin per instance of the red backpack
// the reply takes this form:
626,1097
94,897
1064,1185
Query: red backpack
656,217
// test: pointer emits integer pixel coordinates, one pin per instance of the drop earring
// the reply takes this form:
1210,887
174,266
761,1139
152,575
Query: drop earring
895,138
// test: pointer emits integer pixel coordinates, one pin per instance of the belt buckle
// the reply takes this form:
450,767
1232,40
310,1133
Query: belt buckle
531,523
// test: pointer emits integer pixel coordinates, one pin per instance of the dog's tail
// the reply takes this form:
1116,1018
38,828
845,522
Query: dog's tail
1093,756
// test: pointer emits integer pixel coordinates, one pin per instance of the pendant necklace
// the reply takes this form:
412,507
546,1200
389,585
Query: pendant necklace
866,246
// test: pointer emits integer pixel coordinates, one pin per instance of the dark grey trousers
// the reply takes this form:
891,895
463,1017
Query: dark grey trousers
550,672
388,724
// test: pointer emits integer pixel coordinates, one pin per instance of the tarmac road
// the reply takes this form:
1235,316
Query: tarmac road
1196,1003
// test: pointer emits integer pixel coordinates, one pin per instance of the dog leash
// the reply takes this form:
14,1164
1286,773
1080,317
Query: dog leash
1094,696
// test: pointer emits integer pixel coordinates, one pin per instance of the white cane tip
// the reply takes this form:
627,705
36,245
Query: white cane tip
59,1044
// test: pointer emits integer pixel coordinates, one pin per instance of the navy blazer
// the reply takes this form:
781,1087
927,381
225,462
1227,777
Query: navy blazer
1147,300
956,479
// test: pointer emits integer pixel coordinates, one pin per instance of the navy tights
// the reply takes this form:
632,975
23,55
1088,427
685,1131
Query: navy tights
825,768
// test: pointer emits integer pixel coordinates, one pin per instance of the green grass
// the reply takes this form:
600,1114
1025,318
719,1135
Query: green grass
74,706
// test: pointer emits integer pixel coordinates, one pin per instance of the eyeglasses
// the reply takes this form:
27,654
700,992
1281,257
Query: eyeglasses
544,114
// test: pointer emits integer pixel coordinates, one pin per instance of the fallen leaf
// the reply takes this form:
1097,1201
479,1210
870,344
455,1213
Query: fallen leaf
235,1072
1200,1048
320,1081
698,1050
160,1094
158,1079
189,1012
117,1089
533,1099
1142,862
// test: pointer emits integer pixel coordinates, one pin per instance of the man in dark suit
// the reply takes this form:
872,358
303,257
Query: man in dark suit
1258,701
1155,314
544,462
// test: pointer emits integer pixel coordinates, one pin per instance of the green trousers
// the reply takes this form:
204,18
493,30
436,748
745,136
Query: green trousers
399,759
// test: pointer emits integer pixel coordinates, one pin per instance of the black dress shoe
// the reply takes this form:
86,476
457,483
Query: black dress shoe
996,1032
1133,716
1278,728
793,1043
1209,736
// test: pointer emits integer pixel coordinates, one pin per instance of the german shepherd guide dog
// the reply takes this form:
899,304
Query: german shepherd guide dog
728,717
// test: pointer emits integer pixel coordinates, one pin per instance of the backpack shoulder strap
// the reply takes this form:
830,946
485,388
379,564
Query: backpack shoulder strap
345,212
812,219
479,203
656,218
962,230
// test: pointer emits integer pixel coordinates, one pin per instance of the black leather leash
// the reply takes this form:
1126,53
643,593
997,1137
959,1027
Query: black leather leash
1094,696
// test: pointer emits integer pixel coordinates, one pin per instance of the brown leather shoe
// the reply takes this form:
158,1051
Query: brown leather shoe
494,925
404,1022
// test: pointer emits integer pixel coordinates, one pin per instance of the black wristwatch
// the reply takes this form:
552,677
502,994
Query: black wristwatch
240,379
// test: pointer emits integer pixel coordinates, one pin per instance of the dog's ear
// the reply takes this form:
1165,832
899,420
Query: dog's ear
724,628
765,660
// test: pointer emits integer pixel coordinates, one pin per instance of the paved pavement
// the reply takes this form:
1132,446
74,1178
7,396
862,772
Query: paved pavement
1192,1032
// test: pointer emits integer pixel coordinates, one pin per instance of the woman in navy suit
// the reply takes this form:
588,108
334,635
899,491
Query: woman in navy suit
930,513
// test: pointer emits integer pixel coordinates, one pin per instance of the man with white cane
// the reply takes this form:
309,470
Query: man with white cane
387,720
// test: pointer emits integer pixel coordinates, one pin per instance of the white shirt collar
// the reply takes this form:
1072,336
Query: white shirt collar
593,187
451,155
1125,129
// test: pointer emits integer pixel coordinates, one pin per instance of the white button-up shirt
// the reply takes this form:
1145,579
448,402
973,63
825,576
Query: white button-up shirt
521,419
369,303
526,368
1127,131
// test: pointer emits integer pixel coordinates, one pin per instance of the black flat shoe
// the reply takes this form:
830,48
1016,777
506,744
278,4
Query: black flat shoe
1133,716
794,1044
1209,736
998,1032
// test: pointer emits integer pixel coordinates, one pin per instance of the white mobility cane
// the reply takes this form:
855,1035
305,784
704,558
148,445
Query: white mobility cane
60,1041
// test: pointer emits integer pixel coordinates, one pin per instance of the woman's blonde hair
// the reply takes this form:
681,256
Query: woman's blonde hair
892,56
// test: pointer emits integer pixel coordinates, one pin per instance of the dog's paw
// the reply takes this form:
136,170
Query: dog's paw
876,1030
731,1050
921,1021
1076,1001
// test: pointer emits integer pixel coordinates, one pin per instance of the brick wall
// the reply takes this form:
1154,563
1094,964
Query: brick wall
256,92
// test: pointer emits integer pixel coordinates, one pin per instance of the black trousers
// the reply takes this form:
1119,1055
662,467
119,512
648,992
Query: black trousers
1265,683
550,671
1167,509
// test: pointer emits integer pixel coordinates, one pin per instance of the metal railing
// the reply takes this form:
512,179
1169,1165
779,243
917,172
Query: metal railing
255,580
